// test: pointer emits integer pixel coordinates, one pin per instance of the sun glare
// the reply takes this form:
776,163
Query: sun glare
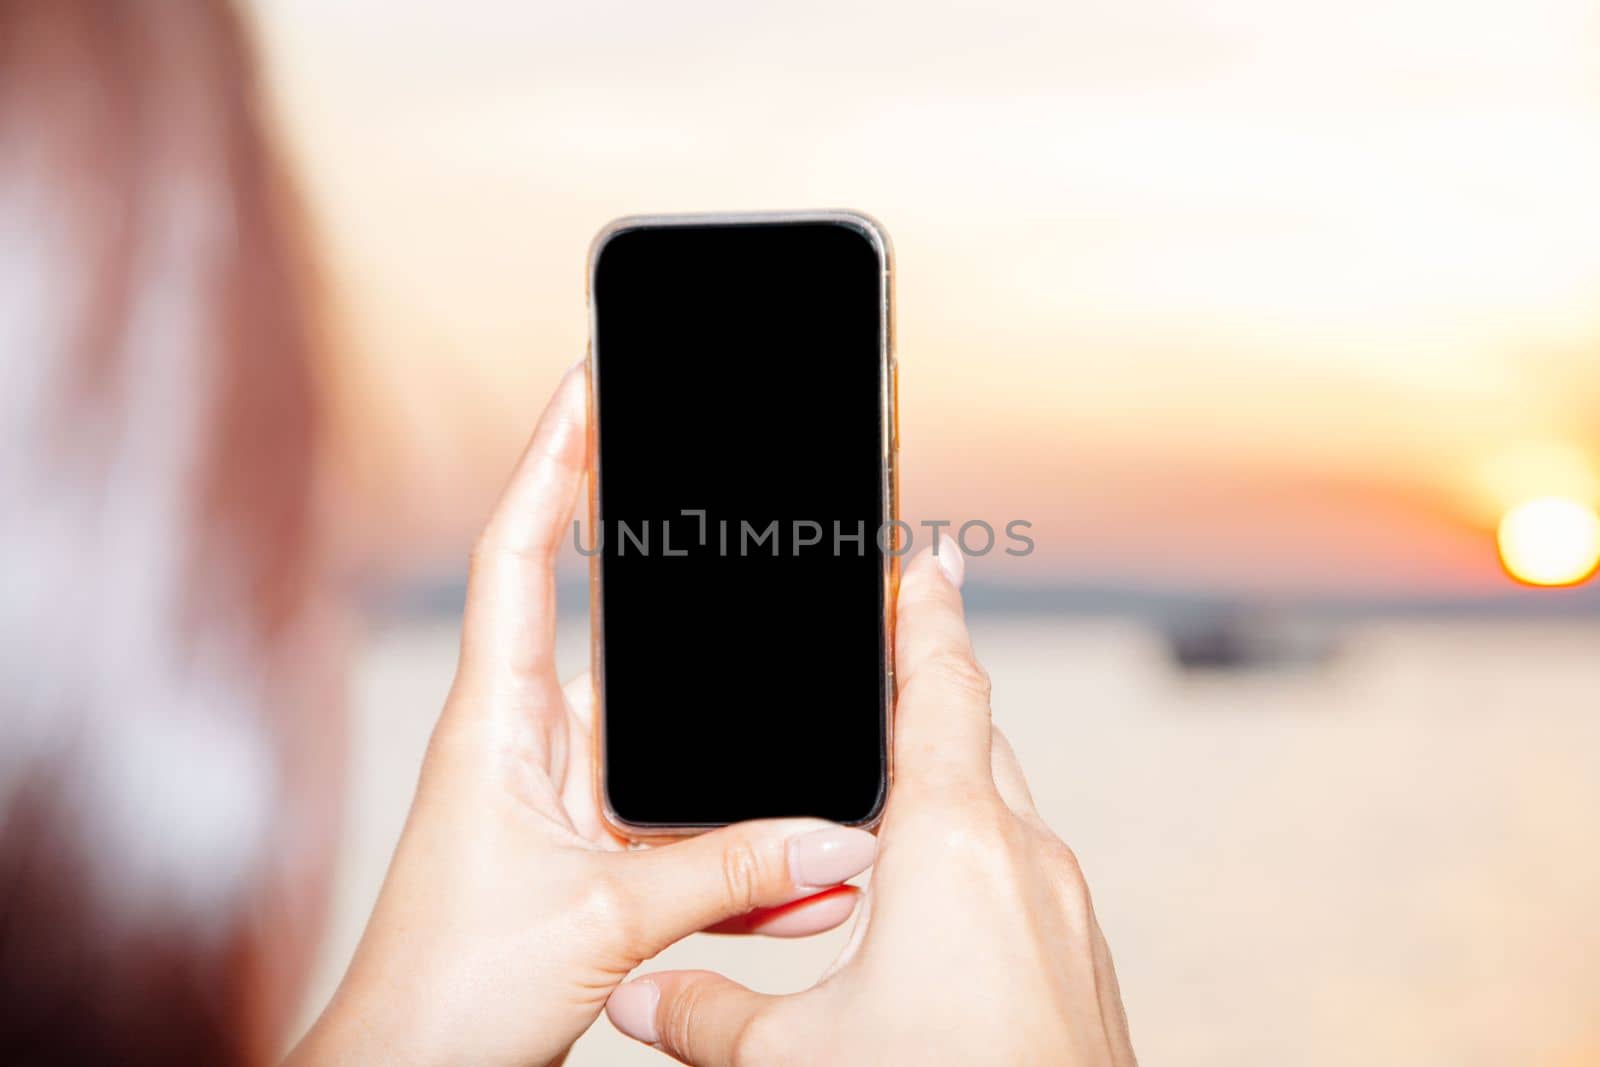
1550,541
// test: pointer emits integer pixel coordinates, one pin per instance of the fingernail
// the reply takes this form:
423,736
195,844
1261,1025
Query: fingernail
948,552
827,857
632,1009
819,913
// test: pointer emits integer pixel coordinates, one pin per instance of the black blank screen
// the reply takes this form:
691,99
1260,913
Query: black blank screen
737,371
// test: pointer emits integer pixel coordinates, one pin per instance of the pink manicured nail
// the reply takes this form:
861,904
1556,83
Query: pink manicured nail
827,857
632,1009
951,560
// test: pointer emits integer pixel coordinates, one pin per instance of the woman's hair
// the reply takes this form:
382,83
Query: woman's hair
157,441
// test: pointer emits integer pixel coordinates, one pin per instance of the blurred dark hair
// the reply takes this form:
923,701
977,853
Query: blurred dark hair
158,434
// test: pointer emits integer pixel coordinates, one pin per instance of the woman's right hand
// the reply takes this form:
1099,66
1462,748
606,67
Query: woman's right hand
977,943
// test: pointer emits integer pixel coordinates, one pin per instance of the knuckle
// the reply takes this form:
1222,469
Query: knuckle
1072,888
675,1018
741,875
1069,872
947,677
959,671
969,831
510,540
485,548
605,897
679,1015
758,1044
605,904
978,830
1068,867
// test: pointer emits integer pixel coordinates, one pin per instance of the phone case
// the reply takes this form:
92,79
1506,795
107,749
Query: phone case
890,444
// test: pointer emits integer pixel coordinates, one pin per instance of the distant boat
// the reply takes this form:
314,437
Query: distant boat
1249,641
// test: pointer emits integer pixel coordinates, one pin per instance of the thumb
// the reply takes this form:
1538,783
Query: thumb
698,1017
677,889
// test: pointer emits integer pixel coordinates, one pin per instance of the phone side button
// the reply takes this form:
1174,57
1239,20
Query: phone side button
894,406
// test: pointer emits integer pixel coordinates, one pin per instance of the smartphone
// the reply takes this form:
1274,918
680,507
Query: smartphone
743,531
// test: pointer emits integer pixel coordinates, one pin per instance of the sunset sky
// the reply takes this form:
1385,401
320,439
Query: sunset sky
1218,293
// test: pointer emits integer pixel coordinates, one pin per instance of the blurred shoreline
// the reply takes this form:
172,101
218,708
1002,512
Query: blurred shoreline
424,597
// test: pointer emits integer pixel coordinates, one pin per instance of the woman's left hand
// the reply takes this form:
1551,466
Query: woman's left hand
510,912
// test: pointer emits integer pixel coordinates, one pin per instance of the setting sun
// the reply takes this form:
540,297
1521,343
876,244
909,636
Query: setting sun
1550,541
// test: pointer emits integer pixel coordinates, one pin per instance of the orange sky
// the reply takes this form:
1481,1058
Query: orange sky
1243,292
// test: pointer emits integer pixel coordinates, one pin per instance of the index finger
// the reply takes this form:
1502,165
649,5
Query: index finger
942,728
511,591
